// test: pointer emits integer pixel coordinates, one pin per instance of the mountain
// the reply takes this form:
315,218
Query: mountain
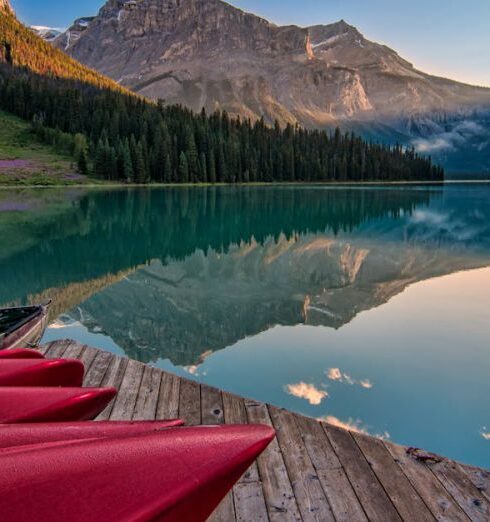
22,47
47,33
207,53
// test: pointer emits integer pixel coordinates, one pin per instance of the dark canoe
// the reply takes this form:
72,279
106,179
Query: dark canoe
22,327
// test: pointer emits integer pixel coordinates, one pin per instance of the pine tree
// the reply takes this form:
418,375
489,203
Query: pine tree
183,168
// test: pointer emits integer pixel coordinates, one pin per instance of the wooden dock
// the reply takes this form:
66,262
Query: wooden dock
312,471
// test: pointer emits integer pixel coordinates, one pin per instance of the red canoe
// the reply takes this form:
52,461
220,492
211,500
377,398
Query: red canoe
22,326
20,353
49,404
12,435
175,475
36,372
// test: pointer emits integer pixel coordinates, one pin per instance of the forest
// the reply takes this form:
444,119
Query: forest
115,135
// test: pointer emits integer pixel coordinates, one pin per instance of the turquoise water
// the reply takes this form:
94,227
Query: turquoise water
368,307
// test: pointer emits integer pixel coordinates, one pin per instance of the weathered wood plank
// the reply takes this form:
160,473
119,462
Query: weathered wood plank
212,414
97,370
113,378
278,491
340,494
87,357
248,494
310,497
466,494
401,492
235,413
211,406
74,351
480,478
57,349
168,399
190,402
434,494
147,400
369,491
128,392
249,502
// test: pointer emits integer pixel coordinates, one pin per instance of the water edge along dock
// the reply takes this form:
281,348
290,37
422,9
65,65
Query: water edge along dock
312,471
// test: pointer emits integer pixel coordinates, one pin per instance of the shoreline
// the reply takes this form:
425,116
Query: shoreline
265,184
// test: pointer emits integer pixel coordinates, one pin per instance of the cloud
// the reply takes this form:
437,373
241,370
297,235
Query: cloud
356,426
463,133
435,144
366,383
308,392
336,375
485,434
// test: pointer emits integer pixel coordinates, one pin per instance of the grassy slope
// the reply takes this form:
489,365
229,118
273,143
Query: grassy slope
26,49
38,165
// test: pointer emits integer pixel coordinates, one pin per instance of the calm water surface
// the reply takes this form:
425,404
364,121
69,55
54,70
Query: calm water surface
368,307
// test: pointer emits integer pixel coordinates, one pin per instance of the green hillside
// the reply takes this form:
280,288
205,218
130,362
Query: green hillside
21,47
26,161
117,136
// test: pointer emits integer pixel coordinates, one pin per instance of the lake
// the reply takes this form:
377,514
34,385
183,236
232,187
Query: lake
368,307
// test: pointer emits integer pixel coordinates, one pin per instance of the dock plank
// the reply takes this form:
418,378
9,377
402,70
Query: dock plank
340,494
168,399
311,471
212,414
211,406
248,494
433,493
369,491
128,392
190,402
113,378
310,497
147,400
462,489
399,489
278,491
481,479
56,350
94,375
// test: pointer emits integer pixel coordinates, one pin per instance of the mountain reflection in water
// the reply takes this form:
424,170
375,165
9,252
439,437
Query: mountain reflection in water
192,279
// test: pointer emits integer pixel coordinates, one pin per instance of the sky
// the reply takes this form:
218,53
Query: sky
449,38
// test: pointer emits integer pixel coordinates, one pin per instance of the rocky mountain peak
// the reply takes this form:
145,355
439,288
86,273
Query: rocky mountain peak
207,53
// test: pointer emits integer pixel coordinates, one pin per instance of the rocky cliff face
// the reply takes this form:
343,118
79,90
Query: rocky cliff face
206,53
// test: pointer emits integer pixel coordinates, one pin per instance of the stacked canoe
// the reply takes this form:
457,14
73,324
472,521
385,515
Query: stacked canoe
57,464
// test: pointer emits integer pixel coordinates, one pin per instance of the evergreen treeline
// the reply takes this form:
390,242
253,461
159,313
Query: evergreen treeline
139,225
118,136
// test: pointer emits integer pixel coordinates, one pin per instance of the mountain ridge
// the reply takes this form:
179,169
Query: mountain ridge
213,55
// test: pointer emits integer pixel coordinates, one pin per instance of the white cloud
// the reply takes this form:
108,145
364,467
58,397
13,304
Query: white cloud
435,144
485,434
336,375
355,426
308,392
366,383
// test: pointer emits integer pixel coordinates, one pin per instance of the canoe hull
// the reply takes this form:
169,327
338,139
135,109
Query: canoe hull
29,333
48,404
37,372
15,435
176,475
20,353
